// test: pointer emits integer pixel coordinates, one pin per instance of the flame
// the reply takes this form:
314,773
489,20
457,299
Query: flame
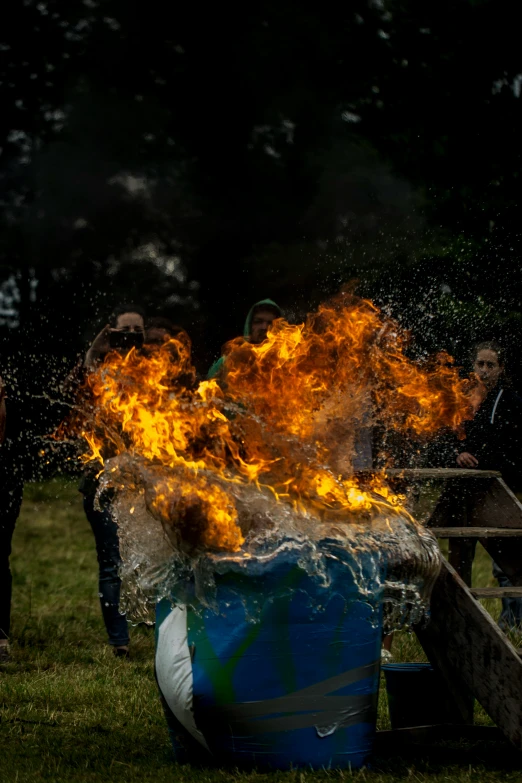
284,415
206,515
340,353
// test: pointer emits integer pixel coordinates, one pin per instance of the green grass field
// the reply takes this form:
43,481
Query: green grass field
69,711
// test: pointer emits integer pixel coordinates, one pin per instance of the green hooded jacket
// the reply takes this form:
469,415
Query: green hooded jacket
216,367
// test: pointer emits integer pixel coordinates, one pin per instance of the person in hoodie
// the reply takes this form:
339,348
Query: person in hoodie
494,442
258,321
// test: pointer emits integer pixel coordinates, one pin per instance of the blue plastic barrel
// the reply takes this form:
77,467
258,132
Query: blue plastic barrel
297,687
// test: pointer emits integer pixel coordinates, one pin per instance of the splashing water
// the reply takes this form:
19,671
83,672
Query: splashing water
237,476
393,561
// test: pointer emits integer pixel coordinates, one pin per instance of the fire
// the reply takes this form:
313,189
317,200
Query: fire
206,515
340,353
283,416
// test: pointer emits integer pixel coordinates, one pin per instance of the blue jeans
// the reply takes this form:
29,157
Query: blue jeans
511,615
108,550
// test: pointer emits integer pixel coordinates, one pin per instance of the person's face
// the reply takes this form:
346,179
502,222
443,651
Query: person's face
261,322
156,335
130,322
488,368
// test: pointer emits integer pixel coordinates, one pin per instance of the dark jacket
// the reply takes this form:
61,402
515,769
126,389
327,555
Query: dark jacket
494,436
13,451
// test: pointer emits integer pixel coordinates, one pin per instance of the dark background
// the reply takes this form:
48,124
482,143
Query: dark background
197,157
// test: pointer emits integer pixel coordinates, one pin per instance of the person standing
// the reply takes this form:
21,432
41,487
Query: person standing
11,491
494,442
126,329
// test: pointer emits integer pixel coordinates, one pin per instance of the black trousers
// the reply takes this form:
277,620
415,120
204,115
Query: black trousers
10,502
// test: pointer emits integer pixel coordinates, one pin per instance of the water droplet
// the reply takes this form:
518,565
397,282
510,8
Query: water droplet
326,731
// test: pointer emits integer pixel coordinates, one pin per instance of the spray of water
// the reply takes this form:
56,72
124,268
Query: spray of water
392,560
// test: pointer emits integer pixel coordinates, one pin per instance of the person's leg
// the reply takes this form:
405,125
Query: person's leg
7,526
10,501
107,548
511,614
515,607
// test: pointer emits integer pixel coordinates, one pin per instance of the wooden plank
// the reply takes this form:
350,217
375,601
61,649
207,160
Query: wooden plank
496,592
447,509
459,745
464,644
486,504
477,532
507,554
498,506
453,509
461,552
438,732
440,473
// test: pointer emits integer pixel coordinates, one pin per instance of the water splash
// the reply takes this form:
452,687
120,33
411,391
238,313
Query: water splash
392,560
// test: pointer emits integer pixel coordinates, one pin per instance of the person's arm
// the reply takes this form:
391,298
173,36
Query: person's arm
99,348
469,450
466,457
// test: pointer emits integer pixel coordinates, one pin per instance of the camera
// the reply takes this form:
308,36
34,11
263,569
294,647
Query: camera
124,341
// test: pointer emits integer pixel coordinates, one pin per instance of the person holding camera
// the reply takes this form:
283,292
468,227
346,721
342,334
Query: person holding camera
125,330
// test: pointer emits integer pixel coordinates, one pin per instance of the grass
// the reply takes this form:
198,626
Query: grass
70,711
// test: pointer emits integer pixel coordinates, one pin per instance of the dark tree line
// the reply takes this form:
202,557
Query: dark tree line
196,158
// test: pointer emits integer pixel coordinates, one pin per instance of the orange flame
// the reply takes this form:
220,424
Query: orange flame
344,350
284,415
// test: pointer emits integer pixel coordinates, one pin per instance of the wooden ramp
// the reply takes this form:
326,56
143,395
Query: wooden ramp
476,660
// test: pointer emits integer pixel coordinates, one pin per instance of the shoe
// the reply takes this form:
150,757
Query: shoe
121,652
